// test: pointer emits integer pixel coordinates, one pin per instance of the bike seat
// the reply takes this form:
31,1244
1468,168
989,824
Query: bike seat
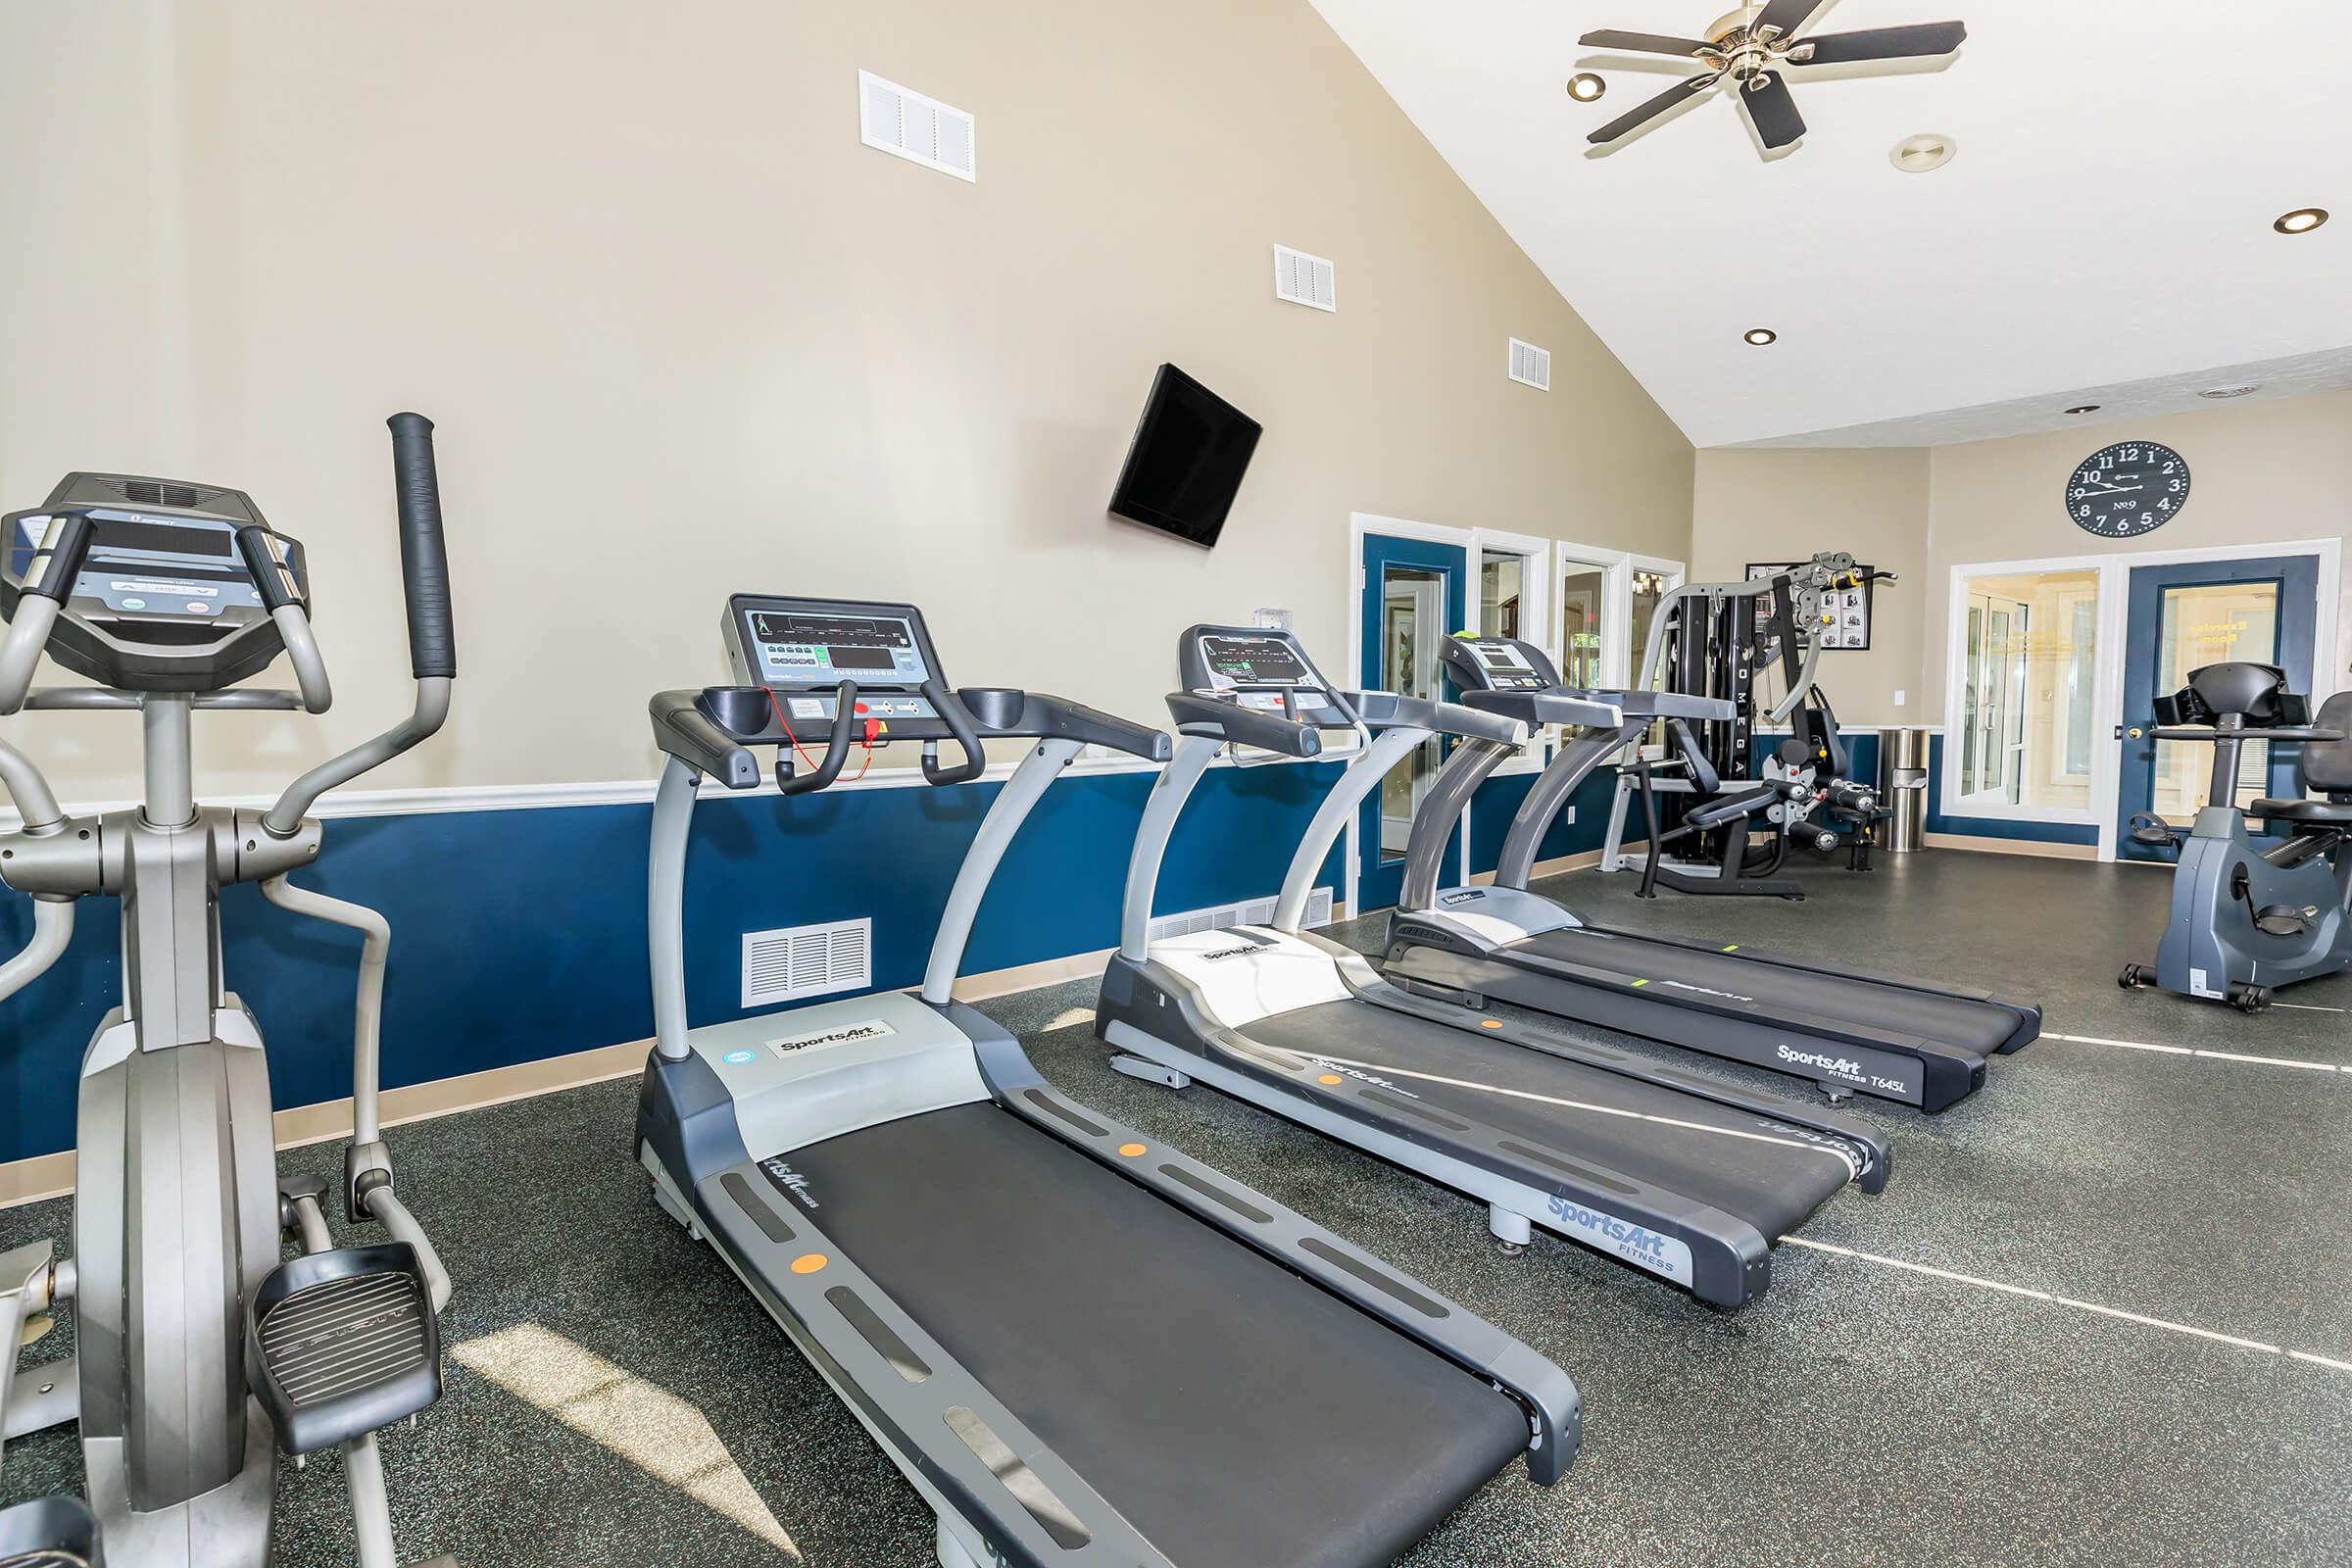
2317,813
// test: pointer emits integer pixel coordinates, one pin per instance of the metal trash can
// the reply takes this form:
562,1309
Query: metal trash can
1905,787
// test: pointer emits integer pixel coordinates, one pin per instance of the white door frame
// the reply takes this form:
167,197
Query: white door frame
1360,524
2115,570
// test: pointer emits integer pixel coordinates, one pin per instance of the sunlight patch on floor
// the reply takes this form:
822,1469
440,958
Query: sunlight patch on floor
1069,1019
648,1426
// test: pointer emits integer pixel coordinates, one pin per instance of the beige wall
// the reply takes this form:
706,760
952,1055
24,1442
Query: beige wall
683,334
1787,505
2264,472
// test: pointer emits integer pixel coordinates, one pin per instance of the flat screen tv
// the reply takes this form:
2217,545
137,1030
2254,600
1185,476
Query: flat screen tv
1186,463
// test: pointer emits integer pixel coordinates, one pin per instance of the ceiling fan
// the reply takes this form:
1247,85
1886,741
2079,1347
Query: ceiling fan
1748,46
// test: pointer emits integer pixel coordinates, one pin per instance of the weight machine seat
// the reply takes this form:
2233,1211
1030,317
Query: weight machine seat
2311,814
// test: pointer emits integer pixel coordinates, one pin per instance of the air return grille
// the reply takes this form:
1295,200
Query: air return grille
806,960
1305,279
1531,366
1223,918
906,124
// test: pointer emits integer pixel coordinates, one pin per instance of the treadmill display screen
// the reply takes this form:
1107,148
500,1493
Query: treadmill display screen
1256,661
1503,669
795,649
161,538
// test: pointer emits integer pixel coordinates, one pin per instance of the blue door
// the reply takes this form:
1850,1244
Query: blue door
2181,619
1413,599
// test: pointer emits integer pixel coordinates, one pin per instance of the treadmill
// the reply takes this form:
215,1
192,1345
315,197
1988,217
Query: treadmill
1689,1179
1850,1032
1081,1347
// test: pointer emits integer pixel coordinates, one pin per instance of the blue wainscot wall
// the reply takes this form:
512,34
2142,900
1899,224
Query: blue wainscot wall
519,934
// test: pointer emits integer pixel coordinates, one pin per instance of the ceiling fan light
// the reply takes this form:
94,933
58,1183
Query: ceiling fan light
1923,154
1761,337
2302,220
1585,87
2083,408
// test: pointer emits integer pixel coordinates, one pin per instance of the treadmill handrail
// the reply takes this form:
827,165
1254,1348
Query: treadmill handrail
1551,794
1575,709
1226,720
1390,711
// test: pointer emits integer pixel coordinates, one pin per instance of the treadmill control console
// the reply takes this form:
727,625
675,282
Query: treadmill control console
165,599
1497,665
1262,670
802,649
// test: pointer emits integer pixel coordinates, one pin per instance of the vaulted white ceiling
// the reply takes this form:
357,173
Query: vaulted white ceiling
2102,235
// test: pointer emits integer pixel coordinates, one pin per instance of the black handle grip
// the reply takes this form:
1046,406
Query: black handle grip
423,559
960,725
56,565
837,748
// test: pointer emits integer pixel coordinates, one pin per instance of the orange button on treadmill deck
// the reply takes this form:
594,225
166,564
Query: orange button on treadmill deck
808,1262
1130,1151
1490,1023
1329,1078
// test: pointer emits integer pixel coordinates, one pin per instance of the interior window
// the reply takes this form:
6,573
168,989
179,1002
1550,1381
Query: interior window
2029,657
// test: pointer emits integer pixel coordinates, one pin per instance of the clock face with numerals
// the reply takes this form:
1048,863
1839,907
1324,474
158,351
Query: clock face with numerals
2127,489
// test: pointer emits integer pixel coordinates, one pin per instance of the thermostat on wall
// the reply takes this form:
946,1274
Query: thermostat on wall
1273,619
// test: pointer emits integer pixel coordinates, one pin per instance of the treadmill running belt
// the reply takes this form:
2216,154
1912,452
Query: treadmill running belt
1782,993
1234,1413
1762,1171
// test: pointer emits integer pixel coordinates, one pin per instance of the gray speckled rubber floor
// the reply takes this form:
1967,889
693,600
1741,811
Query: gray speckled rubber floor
1859,1413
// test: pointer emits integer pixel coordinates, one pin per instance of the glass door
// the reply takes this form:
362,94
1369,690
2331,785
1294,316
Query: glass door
1994,699
2179,619
1414,598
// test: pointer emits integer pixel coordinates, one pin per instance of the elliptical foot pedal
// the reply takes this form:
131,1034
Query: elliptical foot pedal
341,1343
49,1533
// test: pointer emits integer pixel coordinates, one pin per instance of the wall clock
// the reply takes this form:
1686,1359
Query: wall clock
2127,489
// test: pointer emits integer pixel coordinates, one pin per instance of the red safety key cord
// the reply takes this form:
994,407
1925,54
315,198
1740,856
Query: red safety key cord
873,732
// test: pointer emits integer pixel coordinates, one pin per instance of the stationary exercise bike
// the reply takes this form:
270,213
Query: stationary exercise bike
2245,919
196,1345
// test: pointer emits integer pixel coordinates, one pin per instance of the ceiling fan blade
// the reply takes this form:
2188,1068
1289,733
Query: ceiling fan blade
1773,108
1881,43
1681,92
1642,43
1785,15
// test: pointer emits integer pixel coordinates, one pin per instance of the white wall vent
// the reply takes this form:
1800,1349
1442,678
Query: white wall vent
1531,366
1305,279
1258,911
806,960
915,127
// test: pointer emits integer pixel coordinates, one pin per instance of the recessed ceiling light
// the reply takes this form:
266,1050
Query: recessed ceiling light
1585,87
2239,391
1918,155
1762,336
2083,408
2302,220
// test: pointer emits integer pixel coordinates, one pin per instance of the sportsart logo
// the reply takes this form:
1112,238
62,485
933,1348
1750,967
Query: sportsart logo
1844,1066
792,1180
849,1034
1637,1241
1361,1077
1462,898
1229,953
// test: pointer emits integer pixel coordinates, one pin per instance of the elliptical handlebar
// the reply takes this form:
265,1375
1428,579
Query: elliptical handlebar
48,583
432,640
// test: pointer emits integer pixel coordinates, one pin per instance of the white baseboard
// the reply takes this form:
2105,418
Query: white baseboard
2032,847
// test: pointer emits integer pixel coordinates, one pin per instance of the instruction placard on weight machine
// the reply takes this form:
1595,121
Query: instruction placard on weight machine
1850,605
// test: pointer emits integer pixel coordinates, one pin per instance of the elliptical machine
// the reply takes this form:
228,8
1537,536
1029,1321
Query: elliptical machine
196,1343
2245,919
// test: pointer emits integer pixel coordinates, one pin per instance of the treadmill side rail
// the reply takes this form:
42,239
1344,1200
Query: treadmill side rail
1545,1391
1031,1504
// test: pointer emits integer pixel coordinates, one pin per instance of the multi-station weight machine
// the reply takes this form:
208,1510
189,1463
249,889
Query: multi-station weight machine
1703,799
